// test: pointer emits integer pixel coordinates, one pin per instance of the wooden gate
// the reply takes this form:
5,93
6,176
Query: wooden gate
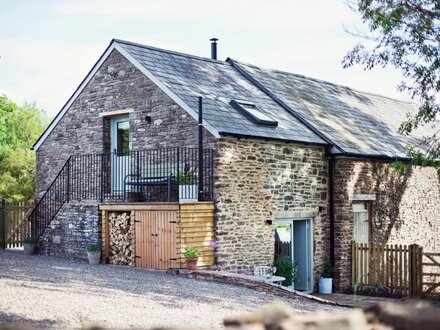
156,243
14,226
430,274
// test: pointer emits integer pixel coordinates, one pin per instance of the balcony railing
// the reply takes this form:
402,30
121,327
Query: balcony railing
154,175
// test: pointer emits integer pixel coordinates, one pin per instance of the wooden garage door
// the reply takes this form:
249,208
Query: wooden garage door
156,239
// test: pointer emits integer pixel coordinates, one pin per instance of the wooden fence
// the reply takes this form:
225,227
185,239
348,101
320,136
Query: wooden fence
13,224
395,269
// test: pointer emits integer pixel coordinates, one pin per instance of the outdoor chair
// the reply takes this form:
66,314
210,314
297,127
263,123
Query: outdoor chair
262,271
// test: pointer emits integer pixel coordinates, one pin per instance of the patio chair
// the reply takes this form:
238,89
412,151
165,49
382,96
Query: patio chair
262,271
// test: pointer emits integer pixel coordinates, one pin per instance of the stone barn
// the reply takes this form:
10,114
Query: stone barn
281,165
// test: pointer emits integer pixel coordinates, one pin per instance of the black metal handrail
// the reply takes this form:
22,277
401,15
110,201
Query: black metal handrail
51,202
151,175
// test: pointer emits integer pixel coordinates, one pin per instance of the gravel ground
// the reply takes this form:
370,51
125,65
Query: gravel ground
51,292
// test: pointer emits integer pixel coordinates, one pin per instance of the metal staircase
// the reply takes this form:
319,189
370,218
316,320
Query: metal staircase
51,202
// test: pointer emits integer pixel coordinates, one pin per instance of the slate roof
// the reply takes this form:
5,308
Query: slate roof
358,123
307,110
218,83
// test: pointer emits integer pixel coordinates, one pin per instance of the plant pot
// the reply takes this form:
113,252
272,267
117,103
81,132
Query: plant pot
94,257
191,263
28,249
188,193
325,285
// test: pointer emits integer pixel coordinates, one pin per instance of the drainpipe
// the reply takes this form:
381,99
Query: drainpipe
331,207
200,127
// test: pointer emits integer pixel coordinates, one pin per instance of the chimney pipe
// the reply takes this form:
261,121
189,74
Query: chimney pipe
213,48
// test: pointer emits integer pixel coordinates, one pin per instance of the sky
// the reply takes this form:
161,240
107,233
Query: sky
47,47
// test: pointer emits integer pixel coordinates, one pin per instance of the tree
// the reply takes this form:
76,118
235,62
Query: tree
19,128
406,34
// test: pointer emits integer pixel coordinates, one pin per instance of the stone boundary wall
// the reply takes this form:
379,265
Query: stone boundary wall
258,182
68,234
406,208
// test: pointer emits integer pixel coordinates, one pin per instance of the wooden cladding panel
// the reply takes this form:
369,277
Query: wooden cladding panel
177,227
196,229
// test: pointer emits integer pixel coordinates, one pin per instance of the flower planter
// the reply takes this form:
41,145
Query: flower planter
94,257
28,249
188,193
191,263
325,285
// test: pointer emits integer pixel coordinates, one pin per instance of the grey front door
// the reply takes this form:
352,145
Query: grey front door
293,239
302,254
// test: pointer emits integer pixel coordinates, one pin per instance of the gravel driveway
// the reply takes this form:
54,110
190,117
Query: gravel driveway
51,292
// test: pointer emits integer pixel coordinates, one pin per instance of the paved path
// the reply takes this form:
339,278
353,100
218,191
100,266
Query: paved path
355,300
51,292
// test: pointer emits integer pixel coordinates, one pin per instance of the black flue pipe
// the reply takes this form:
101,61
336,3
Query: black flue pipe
200,127
213,48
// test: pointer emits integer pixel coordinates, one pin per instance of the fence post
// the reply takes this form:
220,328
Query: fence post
3,224
415,270
420,270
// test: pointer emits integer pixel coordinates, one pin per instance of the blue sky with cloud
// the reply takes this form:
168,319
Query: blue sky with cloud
48,46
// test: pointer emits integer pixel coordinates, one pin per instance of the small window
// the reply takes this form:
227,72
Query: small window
253,113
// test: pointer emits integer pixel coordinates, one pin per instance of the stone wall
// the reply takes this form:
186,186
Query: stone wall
259,181
405,211
117,85
74,226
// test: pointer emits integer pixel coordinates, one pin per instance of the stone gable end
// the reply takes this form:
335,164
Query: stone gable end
117,85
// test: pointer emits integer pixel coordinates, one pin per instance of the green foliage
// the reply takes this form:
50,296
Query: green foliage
328,270
191,253
405,35
30,240
186,178
93,247
19,129
288,269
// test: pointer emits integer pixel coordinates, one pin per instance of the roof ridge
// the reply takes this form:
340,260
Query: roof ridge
206,59
320,81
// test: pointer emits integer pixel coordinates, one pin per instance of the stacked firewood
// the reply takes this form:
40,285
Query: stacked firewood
121,233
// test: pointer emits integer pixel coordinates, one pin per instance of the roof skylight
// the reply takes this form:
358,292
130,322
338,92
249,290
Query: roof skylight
253,113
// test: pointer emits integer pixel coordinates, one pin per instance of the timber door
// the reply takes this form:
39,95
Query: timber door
156,239
361,223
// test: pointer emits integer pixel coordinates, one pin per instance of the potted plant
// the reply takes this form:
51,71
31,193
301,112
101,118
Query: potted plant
29,245
326,279
191,257
93,253
188,190
288,269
